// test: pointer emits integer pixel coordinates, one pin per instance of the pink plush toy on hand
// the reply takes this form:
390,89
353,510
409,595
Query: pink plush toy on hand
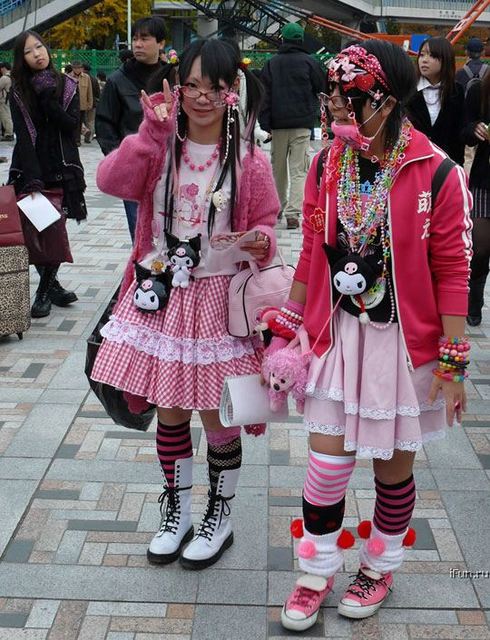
286,371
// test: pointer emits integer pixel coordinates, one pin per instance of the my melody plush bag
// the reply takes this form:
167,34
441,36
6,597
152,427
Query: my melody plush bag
251,290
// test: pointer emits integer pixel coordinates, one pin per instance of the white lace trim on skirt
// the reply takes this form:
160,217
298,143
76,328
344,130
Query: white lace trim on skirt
353,408
373,452
200,351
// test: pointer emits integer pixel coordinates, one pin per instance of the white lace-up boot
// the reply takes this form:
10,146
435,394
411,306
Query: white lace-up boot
176,526
215,534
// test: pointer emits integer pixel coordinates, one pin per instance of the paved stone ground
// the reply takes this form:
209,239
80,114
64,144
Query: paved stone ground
78,499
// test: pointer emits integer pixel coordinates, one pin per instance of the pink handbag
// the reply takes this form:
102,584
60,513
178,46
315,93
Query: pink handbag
253,289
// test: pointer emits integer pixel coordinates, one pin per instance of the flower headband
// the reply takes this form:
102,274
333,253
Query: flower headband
355,68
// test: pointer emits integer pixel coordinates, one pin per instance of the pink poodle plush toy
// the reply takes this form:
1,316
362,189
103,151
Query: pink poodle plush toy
286,371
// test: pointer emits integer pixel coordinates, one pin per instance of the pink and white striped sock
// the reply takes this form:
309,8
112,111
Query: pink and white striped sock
327,478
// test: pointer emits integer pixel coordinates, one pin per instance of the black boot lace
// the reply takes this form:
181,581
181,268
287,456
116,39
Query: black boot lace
362,585
218,506
170,509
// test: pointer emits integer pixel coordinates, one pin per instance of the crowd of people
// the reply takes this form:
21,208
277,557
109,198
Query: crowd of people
385,210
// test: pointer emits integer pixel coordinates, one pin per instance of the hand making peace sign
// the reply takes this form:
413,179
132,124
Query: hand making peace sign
163,109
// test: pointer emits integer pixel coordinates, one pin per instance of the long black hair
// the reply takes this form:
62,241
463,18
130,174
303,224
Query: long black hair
22,73
401,79
441,49
220,61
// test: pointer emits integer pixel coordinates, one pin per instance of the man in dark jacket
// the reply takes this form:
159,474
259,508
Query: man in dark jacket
474,67
119,111
292,80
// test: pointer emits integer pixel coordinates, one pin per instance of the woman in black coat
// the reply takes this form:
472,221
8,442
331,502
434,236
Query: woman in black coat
436,108
476,133
45,112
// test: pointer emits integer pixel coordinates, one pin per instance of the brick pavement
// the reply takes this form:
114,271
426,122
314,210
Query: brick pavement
78,498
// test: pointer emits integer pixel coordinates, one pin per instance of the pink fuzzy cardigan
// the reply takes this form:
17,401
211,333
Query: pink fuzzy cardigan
132,171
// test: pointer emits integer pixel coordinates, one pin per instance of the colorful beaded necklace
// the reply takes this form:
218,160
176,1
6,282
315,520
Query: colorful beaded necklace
361,226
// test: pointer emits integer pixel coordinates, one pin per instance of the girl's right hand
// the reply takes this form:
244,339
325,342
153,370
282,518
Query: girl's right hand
163,109
481,131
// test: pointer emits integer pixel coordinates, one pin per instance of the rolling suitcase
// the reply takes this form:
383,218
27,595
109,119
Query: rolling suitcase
15,315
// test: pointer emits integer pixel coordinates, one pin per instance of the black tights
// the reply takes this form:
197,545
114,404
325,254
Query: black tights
481,248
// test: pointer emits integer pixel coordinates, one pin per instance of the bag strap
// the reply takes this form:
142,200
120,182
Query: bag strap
468,71
256,269
439,178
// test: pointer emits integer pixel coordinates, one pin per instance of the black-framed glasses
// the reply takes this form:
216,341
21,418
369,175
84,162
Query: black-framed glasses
338,101
213,95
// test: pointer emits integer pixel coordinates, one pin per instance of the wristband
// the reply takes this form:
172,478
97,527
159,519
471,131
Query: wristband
450,377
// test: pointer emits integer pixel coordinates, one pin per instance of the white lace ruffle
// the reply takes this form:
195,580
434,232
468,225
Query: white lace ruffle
200,351
402,445
324,394
326,429
353,408
373,452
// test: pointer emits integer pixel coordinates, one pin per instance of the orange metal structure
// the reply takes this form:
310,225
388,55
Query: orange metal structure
469,18
359,35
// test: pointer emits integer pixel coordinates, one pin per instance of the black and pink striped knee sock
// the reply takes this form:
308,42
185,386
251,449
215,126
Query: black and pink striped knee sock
394,506
173,443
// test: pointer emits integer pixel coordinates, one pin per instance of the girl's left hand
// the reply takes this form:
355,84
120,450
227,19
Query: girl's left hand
455,396
163,109
259,249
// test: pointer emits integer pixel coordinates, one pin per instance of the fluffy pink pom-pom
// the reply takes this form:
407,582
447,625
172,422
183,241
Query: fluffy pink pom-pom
306,549
375,546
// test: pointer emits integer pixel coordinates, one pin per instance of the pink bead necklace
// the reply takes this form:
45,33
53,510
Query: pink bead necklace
199,167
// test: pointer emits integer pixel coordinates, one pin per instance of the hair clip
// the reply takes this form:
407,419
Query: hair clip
172,57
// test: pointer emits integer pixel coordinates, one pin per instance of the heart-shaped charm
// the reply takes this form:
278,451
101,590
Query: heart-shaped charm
219,199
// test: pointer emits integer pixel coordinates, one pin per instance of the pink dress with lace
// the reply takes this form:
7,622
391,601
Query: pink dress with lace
179,356
364,391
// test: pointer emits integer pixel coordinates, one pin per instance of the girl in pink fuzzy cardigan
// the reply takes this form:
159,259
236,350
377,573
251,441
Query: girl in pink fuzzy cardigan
167,342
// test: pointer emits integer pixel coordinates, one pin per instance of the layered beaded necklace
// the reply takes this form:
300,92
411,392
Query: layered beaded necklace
361,226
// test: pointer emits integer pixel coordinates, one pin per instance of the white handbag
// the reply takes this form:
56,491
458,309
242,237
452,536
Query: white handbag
252,290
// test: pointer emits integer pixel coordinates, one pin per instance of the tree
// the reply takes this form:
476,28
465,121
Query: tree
96,28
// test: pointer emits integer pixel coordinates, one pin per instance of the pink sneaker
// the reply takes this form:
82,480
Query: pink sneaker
301,608
365,594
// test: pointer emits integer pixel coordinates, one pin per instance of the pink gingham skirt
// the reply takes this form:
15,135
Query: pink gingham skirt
179,356
364,391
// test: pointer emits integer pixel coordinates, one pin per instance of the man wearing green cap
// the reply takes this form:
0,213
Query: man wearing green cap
293,80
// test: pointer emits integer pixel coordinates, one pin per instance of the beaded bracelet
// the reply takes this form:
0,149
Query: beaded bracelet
295,317
454,352
450,377
286,325
452,366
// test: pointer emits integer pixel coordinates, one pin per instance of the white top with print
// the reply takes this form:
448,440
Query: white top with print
191,208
